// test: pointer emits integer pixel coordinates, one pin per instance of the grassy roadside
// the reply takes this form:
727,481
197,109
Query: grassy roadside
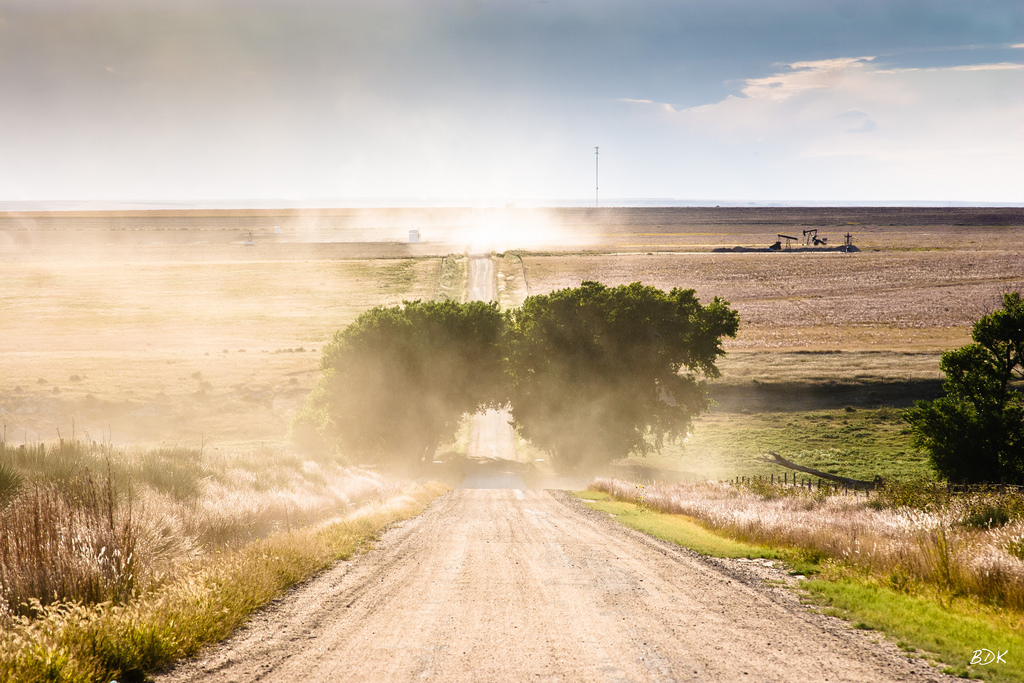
851,442
80,644
452,278
678,529
944,628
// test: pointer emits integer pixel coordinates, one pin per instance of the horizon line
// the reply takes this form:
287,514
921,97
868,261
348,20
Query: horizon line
59,205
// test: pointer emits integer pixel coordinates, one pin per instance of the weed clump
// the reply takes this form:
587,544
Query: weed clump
67,541
11,482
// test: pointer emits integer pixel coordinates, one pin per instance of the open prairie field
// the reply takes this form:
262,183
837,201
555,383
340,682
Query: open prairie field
165,326
872,300
169,351
368,233
183,342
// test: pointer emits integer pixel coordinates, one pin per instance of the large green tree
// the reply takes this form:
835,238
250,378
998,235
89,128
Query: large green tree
396,382
976,431
598,372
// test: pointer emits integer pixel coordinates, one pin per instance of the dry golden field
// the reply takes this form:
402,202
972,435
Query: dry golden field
872,300
164,327
178,351
353,233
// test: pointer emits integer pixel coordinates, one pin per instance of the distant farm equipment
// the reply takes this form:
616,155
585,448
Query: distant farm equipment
810,240
789,242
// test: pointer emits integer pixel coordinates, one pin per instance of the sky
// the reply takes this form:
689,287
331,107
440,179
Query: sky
498,101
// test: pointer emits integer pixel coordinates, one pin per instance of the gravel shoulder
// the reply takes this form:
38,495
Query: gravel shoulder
514,585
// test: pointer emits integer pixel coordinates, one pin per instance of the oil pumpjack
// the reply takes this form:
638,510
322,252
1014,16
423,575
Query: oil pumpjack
789,242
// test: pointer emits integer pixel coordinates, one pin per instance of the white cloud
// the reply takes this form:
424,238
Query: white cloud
802,77
987,67
928,133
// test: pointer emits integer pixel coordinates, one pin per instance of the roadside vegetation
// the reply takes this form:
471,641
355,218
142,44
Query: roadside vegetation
941,572
115,561
76,642
451,278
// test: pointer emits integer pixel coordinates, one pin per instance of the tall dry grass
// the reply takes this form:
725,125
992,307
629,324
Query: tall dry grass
82,522
79,643
945,545
70,541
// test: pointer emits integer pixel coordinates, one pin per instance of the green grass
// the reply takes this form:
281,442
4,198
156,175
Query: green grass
678,529
943,627
950,632
860,443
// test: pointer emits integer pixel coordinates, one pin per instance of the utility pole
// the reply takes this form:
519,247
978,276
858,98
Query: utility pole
596,177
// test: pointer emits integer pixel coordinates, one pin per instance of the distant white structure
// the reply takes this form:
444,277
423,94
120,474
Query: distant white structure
414,236
277,229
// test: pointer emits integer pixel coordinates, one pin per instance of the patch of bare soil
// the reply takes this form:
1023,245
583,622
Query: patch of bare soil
513,585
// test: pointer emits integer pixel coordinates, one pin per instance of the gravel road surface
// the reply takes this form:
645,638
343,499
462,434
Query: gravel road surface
514,585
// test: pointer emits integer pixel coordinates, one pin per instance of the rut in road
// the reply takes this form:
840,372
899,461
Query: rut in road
512,585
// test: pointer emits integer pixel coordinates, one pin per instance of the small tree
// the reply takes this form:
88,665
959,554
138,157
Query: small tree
976,431
397,381
598,372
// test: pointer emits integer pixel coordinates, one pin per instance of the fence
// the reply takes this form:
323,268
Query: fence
813,483
809,483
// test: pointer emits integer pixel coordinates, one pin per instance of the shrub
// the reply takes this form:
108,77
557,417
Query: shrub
975,432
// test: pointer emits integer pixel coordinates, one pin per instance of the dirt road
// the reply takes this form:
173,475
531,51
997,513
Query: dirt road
511,585
490,431
480,281
496,582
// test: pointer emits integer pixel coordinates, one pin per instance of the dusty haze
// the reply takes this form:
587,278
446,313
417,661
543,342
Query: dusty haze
165,326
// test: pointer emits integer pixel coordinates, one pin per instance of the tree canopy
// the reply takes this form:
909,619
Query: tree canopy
597,372
398,380
592,373
976,431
